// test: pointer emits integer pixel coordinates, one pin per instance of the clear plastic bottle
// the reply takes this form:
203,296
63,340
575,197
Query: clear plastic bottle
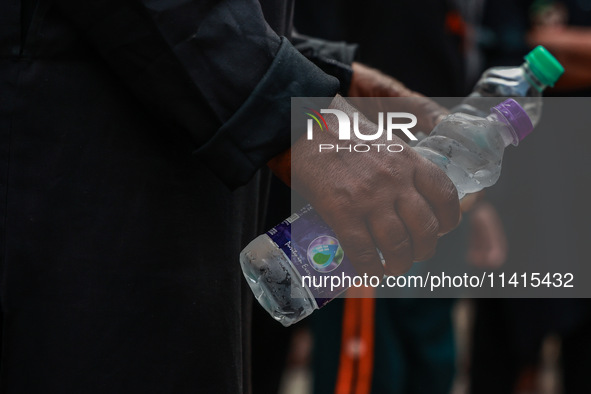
524,83
469,149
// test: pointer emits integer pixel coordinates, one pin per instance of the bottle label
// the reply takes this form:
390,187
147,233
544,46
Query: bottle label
315,253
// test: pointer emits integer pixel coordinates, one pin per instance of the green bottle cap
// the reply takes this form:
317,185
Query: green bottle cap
544,66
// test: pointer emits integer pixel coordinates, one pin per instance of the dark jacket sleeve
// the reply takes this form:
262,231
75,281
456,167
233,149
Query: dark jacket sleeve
211,67
333,57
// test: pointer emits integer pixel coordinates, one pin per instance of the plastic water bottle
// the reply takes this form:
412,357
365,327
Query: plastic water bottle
469,149
524,83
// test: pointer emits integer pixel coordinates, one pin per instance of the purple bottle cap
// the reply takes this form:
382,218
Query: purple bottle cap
515,116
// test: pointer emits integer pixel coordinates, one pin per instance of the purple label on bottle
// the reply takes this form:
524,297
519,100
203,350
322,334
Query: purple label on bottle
315,253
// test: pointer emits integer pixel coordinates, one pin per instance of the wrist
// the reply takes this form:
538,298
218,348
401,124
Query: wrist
280,165
370,82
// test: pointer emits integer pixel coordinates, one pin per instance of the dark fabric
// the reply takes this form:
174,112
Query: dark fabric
197,64
267,108
119,249
576,347
508,336
333,57
270,340
270,348
504,26
407,39
279,15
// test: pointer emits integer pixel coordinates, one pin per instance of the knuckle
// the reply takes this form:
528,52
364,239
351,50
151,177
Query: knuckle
339,209
449,193
342,197
367,262
398,257
425,245
450,207
365,257
402,164
430,229
401,247
409,155
394,170
353,194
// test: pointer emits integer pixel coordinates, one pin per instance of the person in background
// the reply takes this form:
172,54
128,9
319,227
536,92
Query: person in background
509,333
564,28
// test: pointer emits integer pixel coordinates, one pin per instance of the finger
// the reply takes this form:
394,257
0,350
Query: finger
477,252
441,194
430,113
393,240
359,246
496,256
468,202
421,223
488,244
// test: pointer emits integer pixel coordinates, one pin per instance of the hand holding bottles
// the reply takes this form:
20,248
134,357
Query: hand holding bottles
398,203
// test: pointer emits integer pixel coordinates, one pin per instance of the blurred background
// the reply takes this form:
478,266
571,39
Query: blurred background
538,214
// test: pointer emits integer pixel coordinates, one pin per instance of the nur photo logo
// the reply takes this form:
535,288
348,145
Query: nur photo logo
387,122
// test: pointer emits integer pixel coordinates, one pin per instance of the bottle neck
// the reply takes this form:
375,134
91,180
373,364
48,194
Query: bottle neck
532,79
508,133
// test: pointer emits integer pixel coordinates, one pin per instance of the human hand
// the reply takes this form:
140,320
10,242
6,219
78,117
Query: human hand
572,47
487,246
370,83
468,202
399,202
553,38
